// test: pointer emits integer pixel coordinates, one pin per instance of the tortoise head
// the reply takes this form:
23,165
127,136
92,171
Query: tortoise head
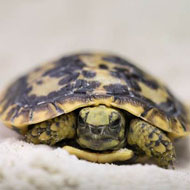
101,128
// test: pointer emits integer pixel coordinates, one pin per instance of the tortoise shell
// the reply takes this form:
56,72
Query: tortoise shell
89,79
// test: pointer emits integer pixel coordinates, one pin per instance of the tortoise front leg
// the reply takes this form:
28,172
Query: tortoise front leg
53,130
152,141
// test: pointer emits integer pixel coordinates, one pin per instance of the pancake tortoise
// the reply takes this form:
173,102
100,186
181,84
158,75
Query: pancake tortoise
98,107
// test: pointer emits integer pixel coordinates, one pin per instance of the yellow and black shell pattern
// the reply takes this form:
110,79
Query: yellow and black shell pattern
90,79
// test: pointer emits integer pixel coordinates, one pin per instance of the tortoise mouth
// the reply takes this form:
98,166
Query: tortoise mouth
98,143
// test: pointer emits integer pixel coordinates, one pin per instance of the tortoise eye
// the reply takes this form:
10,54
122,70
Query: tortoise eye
80,120
115,123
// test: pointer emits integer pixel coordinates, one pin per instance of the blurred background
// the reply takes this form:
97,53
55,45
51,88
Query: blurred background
153,34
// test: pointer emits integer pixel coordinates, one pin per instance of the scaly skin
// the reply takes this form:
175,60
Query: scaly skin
152,141
53,131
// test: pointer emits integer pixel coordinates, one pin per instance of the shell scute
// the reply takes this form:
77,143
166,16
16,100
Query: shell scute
83,80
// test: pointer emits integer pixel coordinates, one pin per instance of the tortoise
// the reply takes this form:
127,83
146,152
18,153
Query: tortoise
99,107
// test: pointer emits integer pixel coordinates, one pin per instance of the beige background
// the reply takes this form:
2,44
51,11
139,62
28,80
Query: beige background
153,34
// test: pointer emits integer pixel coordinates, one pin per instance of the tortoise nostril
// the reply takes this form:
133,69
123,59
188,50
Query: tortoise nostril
96,130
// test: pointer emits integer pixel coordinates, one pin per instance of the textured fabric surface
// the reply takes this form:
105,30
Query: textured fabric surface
155,35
